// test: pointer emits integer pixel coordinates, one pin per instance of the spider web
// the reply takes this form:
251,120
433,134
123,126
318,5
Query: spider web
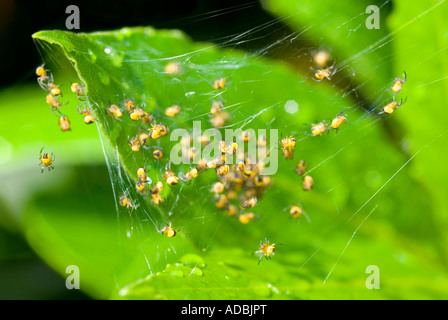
191,206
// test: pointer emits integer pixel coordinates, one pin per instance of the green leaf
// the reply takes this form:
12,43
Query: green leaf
425,63
353,173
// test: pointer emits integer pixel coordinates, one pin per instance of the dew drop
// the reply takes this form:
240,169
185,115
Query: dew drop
192,260
261,290
274,289
92,55
196,272
177,273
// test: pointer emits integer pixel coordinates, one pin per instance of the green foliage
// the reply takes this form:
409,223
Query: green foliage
359,215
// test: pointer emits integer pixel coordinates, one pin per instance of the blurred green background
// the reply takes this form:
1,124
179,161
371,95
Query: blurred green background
413,37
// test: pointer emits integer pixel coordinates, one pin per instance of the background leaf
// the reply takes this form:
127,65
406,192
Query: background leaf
138,72
379,191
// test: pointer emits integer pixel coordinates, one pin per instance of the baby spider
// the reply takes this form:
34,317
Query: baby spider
129,105
146,118
163,130
64,123
136,114
289,142
262,141
219,84
249,203
156,198
141,186
222,202
262,181
246,135
219,120
157,154
390,107
317,129
142,175
266,250
78,89
54,102
126,202
170,176
247,217
202,164
204,140
218,187
44,77
240,165
308,183
321,74
172,68
115,111
295,211
172,111
46,160
214,163
399,83
192,152
42,72
301,167
321,57
158,187
88,118
223,170
232,210
193,173
54,89
143,137
168,231
288,153
134,143
216,107
232,148
155,132
340,118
